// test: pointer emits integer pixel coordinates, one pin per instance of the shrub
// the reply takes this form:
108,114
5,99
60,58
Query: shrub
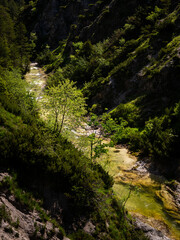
156,139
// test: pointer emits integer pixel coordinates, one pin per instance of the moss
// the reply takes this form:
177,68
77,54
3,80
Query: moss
165,57
80,235
142,47
4,215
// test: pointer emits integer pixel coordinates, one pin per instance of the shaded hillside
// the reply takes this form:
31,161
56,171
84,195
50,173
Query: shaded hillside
52,20
16,44
72,191
136,65
134,71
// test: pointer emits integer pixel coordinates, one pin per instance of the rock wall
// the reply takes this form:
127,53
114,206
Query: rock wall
55,18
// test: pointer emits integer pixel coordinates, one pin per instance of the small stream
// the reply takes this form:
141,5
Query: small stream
143,202
36,79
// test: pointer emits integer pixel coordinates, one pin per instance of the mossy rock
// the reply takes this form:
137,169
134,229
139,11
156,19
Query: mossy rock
168,201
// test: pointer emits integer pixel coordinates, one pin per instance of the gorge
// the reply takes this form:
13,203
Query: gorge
110,171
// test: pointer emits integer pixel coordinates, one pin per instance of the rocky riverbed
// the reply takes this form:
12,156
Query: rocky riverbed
154,202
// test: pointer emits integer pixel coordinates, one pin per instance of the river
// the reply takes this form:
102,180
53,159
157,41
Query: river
151,200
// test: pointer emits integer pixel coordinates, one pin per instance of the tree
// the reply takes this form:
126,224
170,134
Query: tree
7,37
65,104
97,146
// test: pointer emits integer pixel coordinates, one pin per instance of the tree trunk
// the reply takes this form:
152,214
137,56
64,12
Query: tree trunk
56,123
62,121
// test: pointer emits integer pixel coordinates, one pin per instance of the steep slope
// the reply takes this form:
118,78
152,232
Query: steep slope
52,20
112,16
75,191
136,65
21,216
134,71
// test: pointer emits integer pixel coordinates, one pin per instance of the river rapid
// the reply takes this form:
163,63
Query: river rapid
152,199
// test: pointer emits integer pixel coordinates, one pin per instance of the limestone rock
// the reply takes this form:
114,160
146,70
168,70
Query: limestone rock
89,227
170,200
22,223
149,231
53,24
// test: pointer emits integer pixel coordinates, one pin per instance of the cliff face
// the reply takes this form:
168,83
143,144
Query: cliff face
132,56
18,220
113,16
139,44
141,52
95,20
55,18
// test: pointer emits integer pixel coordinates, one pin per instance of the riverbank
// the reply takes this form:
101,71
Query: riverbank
151,201
148,201
36,78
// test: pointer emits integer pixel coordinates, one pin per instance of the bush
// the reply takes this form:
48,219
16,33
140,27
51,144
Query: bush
157,139
107,179
129,112
46,57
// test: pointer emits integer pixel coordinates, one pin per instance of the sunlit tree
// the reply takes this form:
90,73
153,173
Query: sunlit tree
65,105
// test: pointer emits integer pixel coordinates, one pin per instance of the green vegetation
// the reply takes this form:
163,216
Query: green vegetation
139,61
16,45
26,201
64,104
4,215
30,148
156,138
133,71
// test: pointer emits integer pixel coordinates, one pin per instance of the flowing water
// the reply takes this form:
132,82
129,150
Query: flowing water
37,80
143,202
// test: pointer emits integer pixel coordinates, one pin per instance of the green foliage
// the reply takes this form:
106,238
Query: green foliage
46,56
166,55
156,139
80,235
15,48
154,15
129,112
65,104
147,45
4,215
122,129
54,79
14,96
33,148
97,146
123,133
7,37
107,179
93,121
86,49
78,47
